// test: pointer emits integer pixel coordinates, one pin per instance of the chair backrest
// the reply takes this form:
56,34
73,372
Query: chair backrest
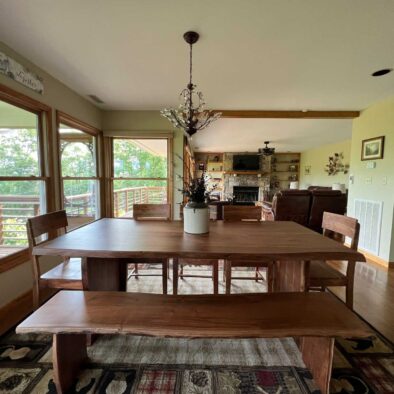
49,223
325,201
236,213
338,227
292,205
152,211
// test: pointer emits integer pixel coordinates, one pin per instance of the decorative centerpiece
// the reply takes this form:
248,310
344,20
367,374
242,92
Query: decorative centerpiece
196,211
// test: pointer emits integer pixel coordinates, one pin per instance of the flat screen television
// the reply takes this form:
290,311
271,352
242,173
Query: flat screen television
246,162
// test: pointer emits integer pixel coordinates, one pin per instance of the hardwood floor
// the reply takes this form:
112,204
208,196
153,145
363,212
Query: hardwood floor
373,295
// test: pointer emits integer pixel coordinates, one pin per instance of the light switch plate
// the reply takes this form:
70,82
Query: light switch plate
371,164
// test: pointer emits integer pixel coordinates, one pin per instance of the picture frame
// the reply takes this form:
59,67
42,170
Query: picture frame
372,148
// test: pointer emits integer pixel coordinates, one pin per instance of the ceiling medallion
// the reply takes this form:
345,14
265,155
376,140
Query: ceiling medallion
190,115
266,151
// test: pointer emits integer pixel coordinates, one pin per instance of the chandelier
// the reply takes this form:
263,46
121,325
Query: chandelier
266,151
190,115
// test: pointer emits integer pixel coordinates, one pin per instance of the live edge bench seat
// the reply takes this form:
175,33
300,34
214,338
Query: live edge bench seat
315,318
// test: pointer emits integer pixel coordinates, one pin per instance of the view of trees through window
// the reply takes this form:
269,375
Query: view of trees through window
22,193
140,172
140,175
79,172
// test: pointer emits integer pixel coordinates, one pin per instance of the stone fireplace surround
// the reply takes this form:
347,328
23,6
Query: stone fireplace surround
231,180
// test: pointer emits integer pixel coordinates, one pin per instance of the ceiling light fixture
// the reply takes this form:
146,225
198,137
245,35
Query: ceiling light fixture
266,151
383,71
190,116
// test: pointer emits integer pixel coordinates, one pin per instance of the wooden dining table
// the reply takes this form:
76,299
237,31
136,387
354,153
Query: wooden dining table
108,245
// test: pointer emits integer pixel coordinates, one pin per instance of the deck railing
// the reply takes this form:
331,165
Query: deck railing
125,198
16,209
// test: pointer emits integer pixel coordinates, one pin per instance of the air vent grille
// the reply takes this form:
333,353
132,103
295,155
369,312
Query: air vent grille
369,214
96,99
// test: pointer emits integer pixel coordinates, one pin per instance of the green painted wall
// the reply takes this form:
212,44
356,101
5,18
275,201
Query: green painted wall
129,123
317,159
377,183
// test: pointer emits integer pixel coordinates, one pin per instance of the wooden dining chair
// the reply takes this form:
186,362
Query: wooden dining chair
153,212
321,273
234,213
66,275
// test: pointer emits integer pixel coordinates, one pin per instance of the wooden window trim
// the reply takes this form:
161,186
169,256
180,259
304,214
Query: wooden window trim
45,135
68,120
62,117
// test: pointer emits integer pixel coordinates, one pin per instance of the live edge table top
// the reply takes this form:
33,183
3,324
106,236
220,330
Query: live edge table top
259,241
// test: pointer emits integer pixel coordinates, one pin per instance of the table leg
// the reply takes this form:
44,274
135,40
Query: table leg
68,354
104,274
290,276
317,353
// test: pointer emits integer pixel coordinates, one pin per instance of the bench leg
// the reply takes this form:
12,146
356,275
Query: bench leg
68,353
317,353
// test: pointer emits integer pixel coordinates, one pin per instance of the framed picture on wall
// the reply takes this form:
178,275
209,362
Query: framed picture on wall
372,148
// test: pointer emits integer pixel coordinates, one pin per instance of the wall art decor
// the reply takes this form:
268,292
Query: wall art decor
335,165
14,70
372,148
307,170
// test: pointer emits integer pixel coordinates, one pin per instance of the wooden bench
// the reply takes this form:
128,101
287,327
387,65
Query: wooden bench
315,318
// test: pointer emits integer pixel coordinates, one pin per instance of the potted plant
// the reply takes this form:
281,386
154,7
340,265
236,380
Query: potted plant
196,211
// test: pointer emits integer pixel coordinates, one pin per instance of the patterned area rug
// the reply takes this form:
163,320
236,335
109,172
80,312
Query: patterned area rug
125,364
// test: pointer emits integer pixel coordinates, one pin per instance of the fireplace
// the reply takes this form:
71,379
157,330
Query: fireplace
245,194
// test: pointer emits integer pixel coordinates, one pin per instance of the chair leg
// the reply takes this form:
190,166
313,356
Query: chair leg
228,277
36,295
270,278
256,274
351,268
215,269
175,274
165,275
181,272
136,270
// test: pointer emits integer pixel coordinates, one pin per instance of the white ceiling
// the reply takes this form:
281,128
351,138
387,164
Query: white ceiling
295,135
254,54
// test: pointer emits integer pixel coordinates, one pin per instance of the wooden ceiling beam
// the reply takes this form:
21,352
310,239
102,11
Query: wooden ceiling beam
288,114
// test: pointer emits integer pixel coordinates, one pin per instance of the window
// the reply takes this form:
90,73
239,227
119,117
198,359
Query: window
79,171
140,173
22,179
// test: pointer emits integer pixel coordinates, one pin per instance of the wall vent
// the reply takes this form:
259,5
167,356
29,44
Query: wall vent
96,99
369,214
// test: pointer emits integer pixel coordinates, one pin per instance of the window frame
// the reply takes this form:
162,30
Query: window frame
45,144
109,154
68,120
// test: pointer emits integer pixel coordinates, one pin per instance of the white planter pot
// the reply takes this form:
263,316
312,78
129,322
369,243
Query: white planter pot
196,220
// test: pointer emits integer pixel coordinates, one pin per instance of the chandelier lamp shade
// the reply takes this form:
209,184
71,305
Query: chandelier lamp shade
191,115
